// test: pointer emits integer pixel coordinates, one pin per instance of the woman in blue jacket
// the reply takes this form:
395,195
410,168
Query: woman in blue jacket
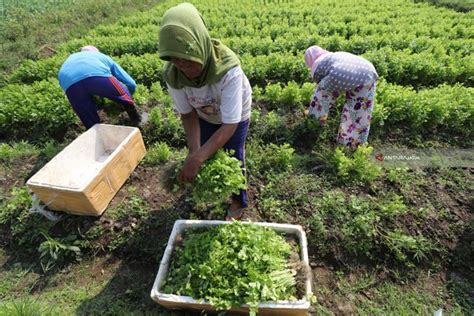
90,73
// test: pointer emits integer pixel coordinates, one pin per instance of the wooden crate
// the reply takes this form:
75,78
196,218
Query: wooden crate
84,177
280,308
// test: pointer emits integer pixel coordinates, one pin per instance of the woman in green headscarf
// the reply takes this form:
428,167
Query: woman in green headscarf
209,90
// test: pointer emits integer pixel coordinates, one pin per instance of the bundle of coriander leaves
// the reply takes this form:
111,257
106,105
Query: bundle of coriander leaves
230,265
220,177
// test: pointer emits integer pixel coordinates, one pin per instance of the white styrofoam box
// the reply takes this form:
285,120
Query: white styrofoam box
282,308
84,176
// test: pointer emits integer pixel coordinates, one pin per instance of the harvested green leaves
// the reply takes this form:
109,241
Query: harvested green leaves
220,177
230,265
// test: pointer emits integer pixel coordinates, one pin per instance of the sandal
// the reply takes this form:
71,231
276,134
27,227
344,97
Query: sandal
234,215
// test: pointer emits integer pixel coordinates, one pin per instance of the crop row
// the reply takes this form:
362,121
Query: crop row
400,67
137,41
444,109
145,69
41,108
325,18
396,41
409,44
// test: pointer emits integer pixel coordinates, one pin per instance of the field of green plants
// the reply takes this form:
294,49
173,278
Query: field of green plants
383,239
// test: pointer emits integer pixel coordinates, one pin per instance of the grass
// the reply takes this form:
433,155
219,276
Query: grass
365,294
103,285
390,299
98,285
27,306
17,278
9,153
7,7
33,30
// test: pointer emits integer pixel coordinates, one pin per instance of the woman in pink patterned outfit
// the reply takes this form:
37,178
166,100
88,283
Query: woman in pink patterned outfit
337,73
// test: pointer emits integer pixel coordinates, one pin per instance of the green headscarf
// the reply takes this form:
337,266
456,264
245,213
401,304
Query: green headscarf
183,34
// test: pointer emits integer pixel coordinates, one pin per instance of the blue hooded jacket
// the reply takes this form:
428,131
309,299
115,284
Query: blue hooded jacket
87,64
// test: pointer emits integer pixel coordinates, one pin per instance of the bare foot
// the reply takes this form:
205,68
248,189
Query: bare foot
235,211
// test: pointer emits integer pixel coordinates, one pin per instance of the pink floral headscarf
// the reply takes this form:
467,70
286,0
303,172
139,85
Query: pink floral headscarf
313,56
89,48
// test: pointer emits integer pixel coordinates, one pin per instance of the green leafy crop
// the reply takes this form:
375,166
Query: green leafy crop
230,265
158,153
220,177
359,167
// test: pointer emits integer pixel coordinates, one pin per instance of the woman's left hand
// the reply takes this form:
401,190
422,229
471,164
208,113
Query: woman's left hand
190,168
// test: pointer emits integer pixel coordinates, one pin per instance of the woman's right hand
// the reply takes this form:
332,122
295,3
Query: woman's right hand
190,168
323,120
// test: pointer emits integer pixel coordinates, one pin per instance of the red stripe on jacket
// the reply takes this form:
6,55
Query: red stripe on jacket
122,92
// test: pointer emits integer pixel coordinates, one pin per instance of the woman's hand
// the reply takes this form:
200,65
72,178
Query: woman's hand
198,156
323,120
190,168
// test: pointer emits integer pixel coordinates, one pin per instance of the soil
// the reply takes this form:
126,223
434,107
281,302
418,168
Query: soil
16,173
153,184
149,184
